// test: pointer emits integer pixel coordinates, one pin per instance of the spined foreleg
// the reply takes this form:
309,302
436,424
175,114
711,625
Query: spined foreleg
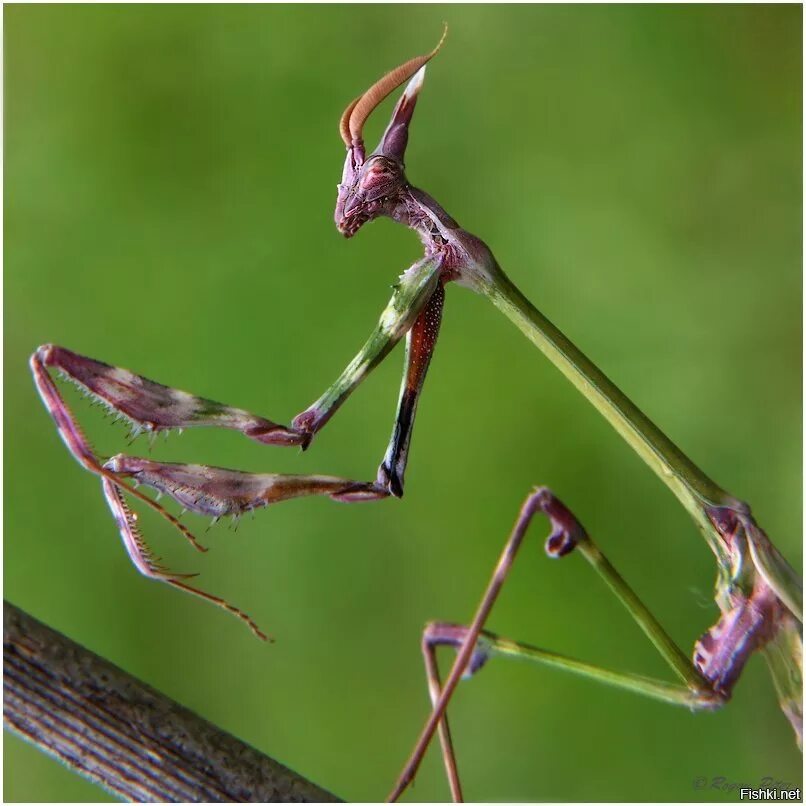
153,408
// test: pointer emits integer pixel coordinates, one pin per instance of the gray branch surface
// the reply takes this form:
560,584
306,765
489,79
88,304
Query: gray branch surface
124,735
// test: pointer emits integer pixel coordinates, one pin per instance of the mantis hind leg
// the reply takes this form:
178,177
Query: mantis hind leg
475,646
489,645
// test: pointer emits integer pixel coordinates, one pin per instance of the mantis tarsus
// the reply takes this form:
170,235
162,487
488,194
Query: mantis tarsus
757,592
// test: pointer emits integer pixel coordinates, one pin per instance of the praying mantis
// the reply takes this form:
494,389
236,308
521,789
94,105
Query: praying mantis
757,591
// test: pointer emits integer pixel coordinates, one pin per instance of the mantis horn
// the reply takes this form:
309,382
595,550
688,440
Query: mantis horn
352,121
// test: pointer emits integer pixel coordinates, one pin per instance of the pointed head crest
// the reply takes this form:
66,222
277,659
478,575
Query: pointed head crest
351,125
367,183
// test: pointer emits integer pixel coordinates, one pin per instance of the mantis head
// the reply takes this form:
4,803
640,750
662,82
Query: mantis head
370,185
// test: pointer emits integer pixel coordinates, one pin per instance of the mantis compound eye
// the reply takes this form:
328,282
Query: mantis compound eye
363,192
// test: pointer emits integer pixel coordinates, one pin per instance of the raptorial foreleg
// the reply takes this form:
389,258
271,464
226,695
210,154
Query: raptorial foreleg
148,406
149,566
218,492
208,491
151,407
113,489
78,444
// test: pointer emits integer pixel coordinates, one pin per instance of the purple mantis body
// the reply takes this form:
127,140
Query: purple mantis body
756,590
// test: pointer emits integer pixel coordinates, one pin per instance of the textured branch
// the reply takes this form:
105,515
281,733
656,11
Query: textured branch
124,735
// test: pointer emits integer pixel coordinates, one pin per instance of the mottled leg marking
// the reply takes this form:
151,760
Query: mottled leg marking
748,621
420,342
113,488
79,445
216,491
152,407
206,490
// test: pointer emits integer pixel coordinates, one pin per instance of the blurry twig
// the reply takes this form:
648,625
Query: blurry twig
124,735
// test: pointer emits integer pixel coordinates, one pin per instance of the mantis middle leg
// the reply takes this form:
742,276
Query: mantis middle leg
705,682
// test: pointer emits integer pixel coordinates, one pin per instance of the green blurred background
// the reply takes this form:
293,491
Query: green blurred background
170,180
